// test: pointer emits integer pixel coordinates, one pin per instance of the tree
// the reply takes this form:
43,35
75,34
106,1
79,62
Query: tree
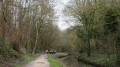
98,20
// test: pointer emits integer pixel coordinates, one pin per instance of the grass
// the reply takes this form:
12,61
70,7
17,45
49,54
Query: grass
25,60
54,62
62,54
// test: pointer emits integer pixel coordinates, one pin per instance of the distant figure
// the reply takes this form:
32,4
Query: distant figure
46,51
50,51
55,52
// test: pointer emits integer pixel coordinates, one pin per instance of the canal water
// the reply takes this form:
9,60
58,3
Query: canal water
72,62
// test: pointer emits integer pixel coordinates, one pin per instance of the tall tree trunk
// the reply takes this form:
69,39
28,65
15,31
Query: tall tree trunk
36,41
87,39
117,47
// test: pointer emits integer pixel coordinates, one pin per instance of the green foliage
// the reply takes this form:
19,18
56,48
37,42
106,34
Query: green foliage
111,23
101,59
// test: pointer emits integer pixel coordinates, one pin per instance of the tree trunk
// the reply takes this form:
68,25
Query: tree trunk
36,41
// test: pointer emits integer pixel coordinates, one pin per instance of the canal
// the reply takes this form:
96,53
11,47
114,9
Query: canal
72,62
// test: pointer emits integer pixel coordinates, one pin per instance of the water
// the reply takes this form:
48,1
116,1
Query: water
72,62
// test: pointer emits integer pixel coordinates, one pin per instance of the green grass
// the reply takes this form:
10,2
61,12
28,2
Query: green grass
25,60
61,54
54,62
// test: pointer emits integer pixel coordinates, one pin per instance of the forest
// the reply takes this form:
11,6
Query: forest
29,27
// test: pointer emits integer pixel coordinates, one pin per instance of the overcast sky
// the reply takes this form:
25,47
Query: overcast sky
59,12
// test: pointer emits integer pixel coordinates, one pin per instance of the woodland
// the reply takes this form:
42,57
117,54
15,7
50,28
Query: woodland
28,27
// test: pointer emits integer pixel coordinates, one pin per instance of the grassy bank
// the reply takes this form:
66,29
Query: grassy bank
54,62
25,60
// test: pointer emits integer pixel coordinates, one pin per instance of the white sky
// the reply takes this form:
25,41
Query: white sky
59,12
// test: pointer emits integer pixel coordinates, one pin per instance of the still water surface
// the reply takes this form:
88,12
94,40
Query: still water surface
72,62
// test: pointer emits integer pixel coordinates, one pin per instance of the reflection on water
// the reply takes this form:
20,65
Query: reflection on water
72,62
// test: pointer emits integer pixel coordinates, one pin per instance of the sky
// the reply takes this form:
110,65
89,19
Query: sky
62,24
61,19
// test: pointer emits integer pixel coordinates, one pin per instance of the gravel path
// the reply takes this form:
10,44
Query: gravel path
39,62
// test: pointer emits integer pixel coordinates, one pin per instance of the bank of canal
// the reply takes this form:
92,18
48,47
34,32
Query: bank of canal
70,61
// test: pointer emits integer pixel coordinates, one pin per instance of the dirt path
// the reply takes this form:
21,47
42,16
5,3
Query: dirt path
39,62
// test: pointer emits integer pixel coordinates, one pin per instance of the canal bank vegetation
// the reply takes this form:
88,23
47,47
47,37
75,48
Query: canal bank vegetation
95,35
99,60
